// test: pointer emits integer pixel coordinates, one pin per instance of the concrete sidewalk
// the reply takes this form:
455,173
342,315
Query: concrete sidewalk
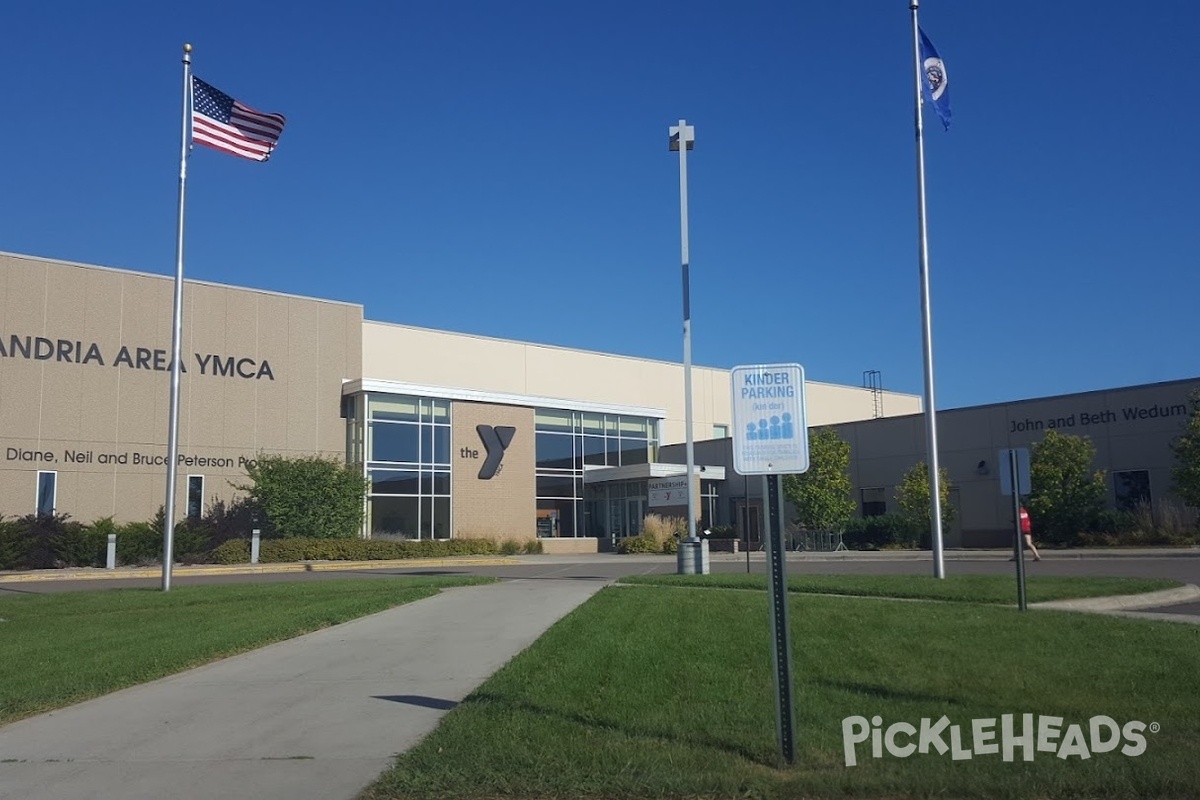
319,716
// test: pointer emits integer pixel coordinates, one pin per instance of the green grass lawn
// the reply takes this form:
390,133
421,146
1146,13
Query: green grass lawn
655,692
1000,589
59,649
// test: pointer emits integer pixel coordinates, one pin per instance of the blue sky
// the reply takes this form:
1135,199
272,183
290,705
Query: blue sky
501,168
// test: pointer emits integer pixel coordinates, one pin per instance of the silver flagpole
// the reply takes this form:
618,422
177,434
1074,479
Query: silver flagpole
176,336
931,459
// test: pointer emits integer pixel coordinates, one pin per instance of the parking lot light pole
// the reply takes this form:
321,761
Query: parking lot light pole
683,139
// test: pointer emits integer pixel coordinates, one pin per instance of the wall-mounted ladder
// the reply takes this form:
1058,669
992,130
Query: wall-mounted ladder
873,381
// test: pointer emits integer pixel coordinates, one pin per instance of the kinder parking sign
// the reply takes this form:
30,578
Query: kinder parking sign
770,429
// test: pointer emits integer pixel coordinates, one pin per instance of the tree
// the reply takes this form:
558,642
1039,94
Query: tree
1186,473
310,497
821,496
913,498
1065,495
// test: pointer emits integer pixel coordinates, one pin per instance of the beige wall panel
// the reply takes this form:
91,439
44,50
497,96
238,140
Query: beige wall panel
503,506
143,408
964,432
436,358
122,410
303,394
271,420
416,355
20,399
18,487
97,486
237,431
139,494
25,297
103,314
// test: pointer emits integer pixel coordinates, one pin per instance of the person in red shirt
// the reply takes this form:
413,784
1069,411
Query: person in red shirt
1027,533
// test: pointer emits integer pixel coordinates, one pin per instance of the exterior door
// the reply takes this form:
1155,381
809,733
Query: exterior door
617,528
636,507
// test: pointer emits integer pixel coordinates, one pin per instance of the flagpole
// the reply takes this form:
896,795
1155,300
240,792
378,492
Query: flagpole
176,336
931,459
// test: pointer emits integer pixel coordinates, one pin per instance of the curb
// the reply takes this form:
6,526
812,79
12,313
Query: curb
1125,602
120,573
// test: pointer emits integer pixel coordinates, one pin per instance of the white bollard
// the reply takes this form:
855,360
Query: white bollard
254,546
111,562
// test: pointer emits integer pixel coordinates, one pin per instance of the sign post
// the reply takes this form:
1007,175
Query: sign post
1014,480
770,438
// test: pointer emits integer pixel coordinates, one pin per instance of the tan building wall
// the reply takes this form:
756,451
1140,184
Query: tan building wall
263,373
1131,428
503,506
455,360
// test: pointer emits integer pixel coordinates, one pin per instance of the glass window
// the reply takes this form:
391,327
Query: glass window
435,411
555,451
613,451
556,517
393,481
435,483
874,502
426,517
394,516
593,423
195,496
593,450
393,408
720,431
635,451
441,517
552,419
555,486
634,427
435,444
47,488
394,441
1132,489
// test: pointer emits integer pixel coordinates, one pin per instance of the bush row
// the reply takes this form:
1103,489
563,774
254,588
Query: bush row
50,542
278,551
56,542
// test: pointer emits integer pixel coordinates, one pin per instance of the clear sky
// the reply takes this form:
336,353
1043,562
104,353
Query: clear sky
502,169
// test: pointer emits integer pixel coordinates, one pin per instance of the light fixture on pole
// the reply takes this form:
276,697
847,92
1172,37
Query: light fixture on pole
683,139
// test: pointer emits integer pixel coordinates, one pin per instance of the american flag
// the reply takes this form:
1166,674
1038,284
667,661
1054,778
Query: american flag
224,124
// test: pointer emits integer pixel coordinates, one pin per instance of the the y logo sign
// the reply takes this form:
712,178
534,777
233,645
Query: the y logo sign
495,441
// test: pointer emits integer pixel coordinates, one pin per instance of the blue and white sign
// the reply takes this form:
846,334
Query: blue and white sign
770,427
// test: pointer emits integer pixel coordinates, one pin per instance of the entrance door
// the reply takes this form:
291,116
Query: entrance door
636,506
750,520
617,528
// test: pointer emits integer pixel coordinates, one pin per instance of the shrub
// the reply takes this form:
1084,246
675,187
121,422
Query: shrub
234,551
12,544
532,547
311,497
510,547
279,551
874,533
140,543
723,532
1066,494
642,543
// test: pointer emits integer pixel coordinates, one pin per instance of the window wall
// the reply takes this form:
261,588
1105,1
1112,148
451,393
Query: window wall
407,442
570,441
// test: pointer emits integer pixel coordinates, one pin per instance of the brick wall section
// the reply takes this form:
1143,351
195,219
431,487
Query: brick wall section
502,507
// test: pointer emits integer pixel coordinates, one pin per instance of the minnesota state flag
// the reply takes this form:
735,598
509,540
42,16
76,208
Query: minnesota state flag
935,81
